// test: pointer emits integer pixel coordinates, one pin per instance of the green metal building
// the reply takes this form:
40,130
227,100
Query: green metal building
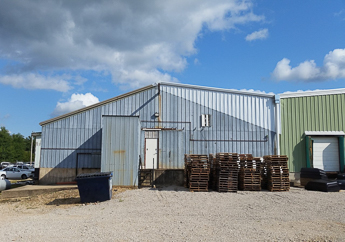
312,129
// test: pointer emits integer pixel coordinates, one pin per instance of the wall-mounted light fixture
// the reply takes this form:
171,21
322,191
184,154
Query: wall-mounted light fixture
156,114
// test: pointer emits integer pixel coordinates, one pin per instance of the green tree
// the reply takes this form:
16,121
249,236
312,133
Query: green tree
27,152
18,143
6,148
14,147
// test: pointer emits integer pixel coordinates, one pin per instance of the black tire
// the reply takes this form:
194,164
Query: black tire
4,176
24,176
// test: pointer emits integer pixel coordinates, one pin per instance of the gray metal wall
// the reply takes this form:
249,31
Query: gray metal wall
120,149
240,122
64,139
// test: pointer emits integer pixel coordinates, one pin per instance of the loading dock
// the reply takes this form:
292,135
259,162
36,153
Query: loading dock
324,150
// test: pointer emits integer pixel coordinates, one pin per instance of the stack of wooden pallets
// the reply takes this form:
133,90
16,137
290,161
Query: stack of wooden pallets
197,172
225,172
258,163
212,182
264,173
246,161
277,173
250,173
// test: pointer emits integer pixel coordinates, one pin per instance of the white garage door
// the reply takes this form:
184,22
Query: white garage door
326,153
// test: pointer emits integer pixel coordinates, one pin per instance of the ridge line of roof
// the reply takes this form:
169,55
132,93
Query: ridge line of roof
218,89
312,93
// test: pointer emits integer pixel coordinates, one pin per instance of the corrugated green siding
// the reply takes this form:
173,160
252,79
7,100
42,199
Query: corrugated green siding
314,113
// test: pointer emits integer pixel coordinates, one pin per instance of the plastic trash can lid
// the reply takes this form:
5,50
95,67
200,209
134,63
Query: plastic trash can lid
97,174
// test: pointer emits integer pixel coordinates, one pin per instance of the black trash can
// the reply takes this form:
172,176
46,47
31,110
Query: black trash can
95,187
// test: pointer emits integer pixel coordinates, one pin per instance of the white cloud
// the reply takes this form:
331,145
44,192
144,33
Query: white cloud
76,102
340,13
36,81
138,42
260,34
256,91
4,117
333,68
79,80
138,78
334,64
303,91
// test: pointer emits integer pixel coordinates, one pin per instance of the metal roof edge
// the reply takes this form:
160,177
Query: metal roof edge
324,133
313,93
217,89
34,134
97,104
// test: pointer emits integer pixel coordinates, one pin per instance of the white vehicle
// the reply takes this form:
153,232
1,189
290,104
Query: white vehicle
5,164
15,173
25,168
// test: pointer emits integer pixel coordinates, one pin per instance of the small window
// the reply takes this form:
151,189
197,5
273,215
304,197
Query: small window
205,120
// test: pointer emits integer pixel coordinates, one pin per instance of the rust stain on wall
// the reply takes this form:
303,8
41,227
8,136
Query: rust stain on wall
119,152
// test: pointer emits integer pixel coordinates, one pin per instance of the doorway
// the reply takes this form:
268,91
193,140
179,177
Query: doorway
151,153
326,153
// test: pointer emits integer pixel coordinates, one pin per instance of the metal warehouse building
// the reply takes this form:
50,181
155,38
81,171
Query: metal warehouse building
156,125
312,129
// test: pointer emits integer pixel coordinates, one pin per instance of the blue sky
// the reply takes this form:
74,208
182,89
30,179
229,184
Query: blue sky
56,57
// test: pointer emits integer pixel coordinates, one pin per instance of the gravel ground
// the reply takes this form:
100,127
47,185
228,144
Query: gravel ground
175,214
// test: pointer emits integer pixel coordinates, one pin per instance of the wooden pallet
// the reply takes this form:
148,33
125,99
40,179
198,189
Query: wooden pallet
227,187
198,186
277,173
248,161
197,172
249,179
225,172
276,187
275,157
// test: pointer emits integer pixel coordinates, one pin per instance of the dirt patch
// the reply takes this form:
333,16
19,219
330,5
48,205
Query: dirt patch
63,199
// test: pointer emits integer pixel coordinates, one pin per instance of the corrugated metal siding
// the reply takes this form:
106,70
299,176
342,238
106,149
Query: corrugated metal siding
172,147
143,104
81,133
313,113
120,151
239,123
89,160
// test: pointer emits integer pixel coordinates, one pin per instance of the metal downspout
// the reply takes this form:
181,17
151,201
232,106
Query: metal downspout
307,151
277,119
341,153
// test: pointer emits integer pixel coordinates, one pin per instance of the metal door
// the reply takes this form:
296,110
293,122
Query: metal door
120,149
326,153
151,148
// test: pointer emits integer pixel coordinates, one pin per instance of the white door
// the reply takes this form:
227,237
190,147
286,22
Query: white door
151,153
326,153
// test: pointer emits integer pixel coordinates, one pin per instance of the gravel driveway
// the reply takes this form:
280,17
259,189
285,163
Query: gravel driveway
175,214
